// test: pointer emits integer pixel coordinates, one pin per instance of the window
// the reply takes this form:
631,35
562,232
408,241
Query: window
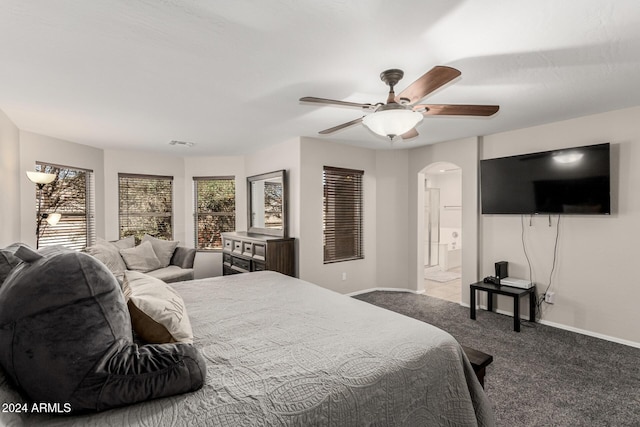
71,195
146,206
215,210
342,214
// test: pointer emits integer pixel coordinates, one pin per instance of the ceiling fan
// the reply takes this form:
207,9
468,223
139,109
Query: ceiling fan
400,115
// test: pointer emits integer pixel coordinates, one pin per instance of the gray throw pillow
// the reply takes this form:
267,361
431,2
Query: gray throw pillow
109,254
65,338
126,243
164,249
141,258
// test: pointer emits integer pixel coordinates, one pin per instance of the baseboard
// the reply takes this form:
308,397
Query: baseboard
365,291
566,328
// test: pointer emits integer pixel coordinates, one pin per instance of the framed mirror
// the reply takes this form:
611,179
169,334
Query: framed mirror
267,203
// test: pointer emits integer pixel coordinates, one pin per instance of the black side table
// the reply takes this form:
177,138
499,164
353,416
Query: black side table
510,291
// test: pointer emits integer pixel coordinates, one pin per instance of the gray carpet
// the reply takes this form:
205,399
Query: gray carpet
542,376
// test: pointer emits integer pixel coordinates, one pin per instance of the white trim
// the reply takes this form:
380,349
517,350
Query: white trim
568,328
365,291
591,334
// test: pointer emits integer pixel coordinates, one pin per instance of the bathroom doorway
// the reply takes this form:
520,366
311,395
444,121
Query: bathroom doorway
443,230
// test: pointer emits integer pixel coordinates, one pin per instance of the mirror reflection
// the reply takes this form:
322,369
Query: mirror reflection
267,203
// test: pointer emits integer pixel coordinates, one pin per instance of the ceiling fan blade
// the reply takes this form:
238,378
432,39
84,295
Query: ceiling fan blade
342,126
335,102
411,134
433,79
456,110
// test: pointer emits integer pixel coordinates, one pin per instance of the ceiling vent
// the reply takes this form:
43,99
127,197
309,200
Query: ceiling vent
182,143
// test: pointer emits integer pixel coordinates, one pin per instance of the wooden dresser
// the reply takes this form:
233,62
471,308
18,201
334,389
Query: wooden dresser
244,252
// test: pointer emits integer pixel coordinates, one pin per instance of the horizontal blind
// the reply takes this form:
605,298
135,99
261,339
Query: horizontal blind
72,195
342,214
215,210
145,206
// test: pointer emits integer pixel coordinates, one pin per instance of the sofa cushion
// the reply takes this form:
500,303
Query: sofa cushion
109,254
163,248
65,338
158,313
172,273
141,258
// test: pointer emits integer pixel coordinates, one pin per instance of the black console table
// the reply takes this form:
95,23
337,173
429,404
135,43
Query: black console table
510,291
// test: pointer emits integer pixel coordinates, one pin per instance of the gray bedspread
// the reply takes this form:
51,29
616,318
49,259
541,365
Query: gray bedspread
284,352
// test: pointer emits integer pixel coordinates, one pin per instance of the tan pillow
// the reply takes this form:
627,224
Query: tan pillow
158,313
163,248
141,258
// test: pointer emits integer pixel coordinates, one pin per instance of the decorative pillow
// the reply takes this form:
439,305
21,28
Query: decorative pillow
158,314
109,254
65,338
126,243
163,248
141,258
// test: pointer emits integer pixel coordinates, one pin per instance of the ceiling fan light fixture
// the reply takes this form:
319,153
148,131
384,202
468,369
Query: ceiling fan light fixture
392,122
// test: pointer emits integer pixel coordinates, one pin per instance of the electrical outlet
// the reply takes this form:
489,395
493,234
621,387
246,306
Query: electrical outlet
550,297
344,276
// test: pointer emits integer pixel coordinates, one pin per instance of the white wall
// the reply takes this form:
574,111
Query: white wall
595,280
209,263
464,153
39,148
9,181
392,219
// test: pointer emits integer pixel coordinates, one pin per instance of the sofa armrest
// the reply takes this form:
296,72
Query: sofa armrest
183,257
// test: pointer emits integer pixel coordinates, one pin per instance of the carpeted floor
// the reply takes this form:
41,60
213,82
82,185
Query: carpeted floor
542,376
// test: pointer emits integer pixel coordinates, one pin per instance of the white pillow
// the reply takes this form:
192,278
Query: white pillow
141,258
158,313
163,248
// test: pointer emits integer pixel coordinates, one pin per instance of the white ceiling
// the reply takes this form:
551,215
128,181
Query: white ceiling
227,74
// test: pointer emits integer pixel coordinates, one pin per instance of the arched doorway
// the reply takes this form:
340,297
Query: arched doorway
442,230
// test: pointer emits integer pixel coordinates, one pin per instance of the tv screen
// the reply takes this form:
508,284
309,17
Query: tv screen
567,181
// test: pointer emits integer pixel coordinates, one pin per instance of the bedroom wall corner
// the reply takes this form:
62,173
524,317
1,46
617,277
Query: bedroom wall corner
10,217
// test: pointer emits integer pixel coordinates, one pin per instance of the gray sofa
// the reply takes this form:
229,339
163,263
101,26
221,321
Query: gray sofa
159,258
180,267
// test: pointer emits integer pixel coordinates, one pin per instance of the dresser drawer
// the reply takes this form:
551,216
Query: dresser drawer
243,264
246,249
226,259
237,246
258,266
259,251
227,245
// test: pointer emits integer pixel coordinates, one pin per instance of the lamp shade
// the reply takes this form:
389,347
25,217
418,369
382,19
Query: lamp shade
53,218
391,123
40,177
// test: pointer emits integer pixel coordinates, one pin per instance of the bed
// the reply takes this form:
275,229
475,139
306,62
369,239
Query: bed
284,352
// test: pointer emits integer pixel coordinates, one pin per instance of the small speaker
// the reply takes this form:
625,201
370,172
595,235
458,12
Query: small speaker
502,269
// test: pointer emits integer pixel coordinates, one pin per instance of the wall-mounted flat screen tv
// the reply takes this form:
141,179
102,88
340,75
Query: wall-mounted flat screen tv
566,181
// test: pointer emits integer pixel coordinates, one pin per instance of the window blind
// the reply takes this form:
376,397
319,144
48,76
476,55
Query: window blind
72,195
215,210
145,206
342,214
